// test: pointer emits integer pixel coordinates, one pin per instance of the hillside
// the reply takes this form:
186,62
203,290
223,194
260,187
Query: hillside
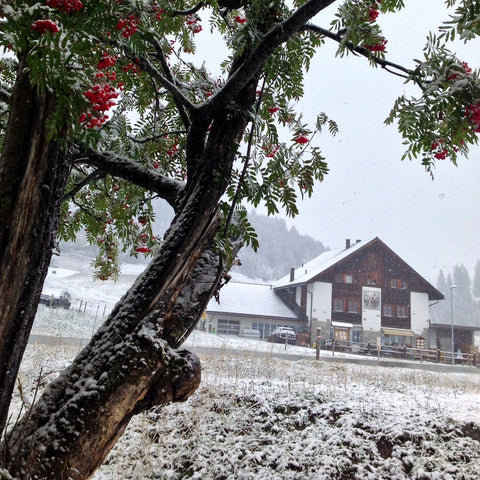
280,249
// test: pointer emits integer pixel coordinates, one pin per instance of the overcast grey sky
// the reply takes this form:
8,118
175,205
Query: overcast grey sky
369,191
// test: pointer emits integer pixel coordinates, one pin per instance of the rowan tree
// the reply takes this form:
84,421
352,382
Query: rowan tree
105,108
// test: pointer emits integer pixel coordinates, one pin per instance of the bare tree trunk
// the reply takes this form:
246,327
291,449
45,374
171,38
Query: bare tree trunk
32,182
130,363
127,367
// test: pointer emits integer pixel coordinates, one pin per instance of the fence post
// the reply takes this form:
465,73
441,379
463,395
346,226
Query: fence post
317,347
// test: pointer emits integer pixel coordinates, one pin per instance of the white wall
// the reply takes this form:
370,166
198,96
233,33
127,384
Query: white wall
419,311
371,317
298,295
322,301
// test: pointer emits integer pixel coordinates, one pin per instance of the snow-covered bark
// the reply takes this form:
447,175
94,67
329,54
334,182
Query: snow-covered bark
127,367
33,175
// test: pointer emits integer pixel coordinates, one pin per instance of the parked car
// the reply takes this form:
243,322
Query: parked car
282,335
64,300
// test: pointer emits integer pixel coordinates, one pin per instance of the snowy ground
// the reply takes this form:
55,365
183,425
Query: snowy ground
261,417
269,418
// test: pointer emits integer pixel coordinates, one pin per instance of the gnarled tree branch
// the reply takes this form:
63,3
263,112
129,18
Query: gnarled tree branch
166,188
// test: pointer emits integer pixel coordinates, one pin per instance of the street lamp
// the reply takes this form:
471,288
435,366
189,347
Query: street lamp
451,319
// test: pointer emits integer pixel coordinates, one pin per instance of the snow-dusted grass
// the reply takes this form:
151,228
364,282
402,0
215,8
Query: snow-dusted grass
276,419
268,418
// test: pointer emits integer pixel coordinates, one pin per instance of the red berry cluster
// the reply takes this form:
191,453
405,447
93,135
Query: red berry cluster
128,26
373,10
473,114
302,140
65,6
101,99
372,14
240,19
106,61
193,23
157,11
172,150
271,150
43,26
467,71
132,67
379,46
441,153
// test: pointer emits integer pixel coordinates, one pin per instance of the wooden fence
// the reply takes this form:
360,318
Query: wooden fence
389,351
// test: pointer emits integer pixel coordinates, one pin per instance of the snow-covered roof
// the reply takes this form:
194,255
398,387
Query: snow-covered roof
462,319
318,265
250,299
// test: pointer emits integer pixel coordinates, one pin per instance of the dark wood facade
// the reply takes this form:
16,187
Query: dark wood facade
368,268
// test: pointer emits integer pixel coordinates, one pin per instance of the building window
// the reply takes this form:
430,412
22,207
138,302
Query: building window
353,306
228,327
398,284
372,278
266,329
402,311
343,278
338,304
388,310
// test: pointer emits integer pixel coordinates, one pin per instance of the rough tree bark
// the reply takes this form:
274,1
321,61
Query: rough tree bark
32,180
130,363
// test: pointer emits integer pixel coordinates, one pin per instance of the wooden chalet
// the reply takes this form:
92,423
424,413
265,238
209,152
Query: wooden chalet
364,293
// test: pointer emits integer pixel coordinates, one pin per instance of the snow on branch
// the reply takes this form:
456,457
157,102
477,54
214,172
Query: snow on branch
4,94
168,82
167,188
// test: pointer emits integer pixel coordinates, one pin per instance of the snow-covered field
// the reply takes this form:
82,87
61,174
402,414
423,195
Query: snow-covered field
261,417
275,419
269,418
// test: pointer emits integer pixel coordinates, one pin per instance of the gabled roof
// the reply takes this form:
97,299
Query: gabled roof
326,260
250,299
320,264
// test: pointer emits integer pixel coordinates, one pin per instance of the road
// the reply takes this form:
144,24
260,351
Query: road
325,357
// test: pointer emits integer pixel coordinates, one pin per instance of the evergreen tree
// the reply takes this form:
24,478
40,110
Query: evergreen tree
461,279
476,280
442,282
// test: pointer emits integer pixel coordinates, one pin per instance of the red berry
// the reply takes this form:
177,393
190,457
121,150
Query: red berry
43,26
302,140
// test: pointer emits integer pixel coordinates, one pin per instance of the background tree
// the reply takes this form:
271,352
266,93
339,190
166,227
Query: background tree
476,280
73,157
442,282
